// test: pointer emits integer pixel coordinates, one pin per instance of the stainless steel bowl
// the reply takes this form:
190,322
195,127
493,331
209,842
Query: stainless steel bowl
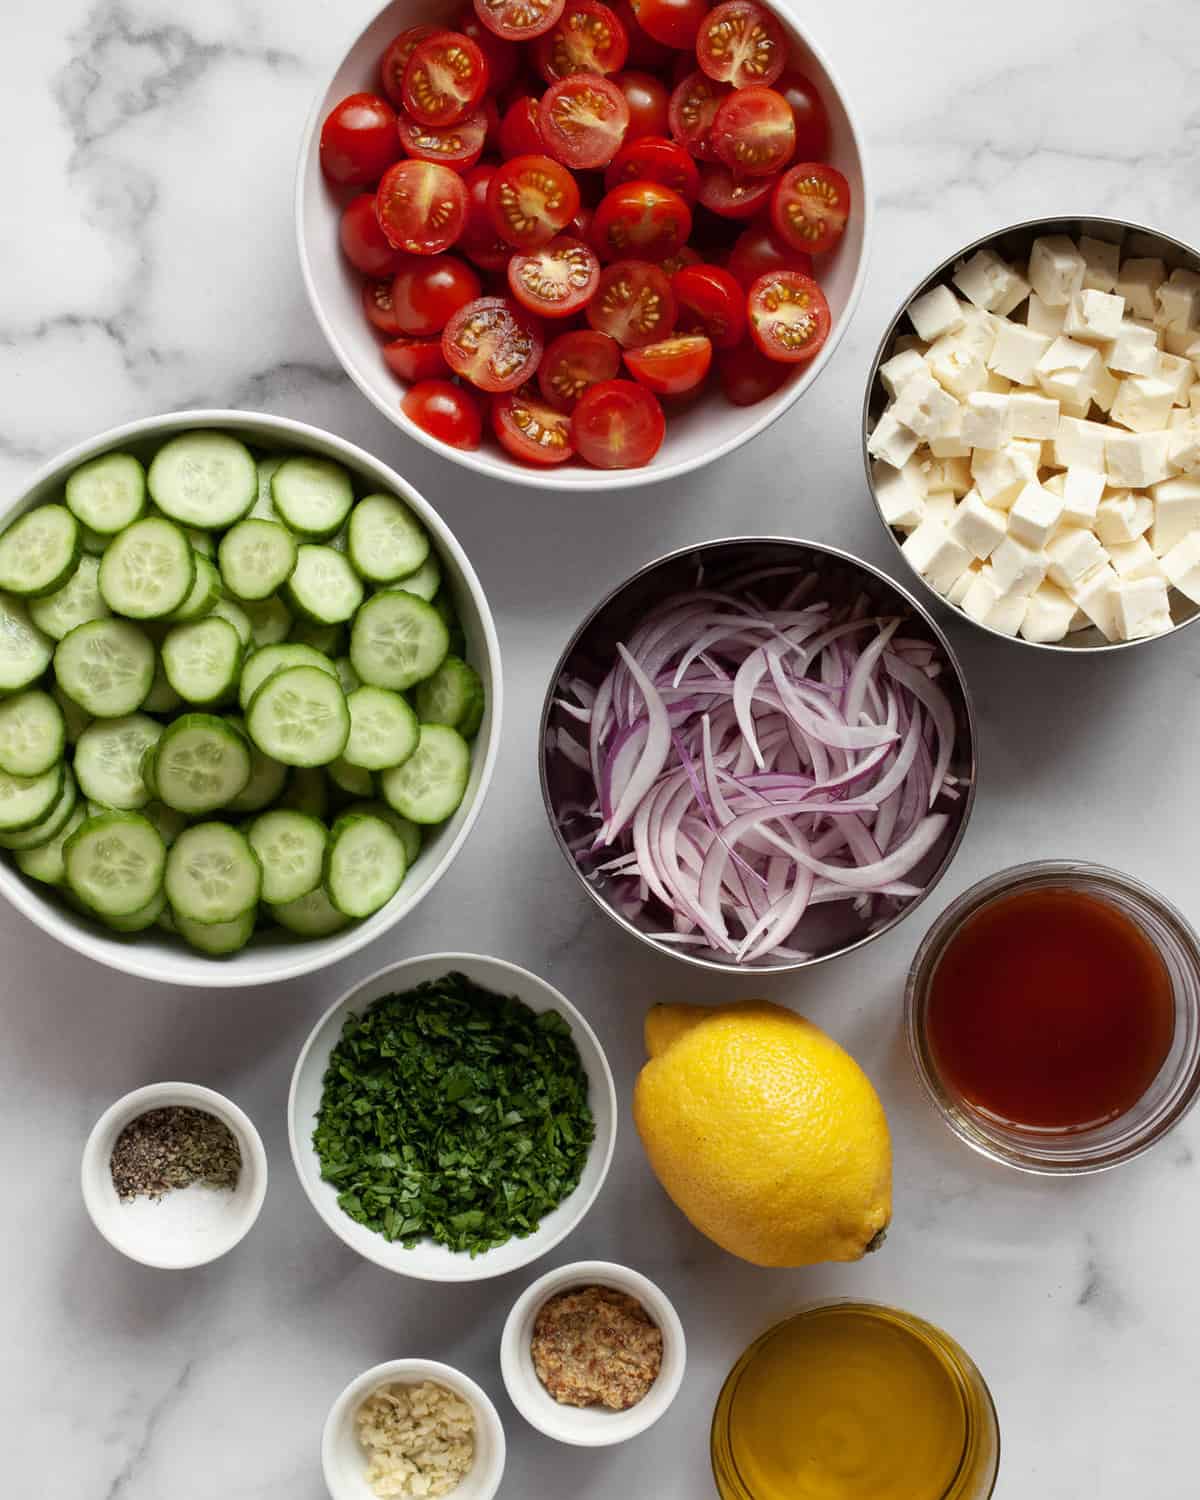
566,789
1014,245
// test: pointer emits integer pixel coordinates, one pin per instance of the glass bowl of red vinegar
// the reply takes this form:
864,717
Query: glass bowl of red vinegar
1053,1016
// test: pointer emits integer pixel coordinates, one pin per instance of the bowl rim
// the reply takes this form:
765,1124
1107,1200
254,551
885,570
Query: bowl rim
794,965
1127,226
584,479
517,977
305,958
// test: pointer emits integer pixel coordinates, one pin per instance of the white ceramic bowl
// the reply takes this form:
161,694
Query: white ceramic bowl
273,954
188,1227
342,1456
427,1261
707,430
589,1426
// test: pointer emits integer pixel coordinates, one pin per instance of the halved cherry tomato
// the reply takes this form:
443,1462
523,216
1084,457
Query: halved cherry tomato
754,132
422,206
742,43
789,316
530,428
808,111
429,290
644,51
575,361
673,365
617,424
493,343
531,199
647,99
710,301
445,78
759,249
694,104
810,207
503,58
445,411
518,20
377,304
733,197
583,120
655,159
587,38
459,145
633,304
363,242
641,219
684,256
358,140
748,376
416,359
675,23
520,133
395,60
479,241
556,280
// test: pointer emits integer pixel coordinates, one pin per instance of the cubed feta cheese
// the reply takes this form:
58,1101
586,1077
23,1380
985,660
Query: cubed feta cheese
1142,607
894,443
1008,614
1096,595
1106,389
940,505
1034,515
1179,341
997,384
978,330
1178,374
949,442
1072,554
1068,370
1133,460
982,596
959,591
1001,473
956,365
935,313
1176,512
903,342
1184,455
991,283
899,369
985,420
1134,350
924,407
1080,443
1122,516
1016,568
1048,615
978,526
1056,269
1033,416
935,554
952,474
1139,280
1102,262
1143,403
1181,565
901,502
1134,559
1082,490
1042,318
1016,351
1094,317
1177,302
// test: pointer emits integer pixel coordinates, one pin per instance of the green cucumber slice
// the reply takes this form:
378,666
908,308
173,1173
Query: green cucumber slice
217,939
48,827
431,783
75,719
397,640
32,734
108,493
271,659
291,849
78,601
352,780
312,495
385,540
205,591
114,863
452,696
323,587
267,778
25,652
364,864
46,862
204,479
264,507
39,551
270,621
212,874
256,558
426,581
228,609
307,791
312,916
410,833
106,666
328,640
299,716
383,729
200,764
202,660
145,916
147,570
108,760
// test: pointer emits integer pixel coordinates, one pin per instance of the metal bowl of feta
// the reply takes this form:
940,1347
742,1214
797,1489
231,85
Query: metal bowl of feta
1031,433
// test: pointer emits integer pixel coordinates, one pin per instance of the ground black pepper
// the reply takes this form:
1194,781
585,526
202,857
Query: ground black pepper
171,1148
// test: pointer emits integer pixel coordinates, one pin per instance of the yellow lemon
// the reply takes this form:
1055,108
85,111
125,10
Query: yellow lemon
765,1133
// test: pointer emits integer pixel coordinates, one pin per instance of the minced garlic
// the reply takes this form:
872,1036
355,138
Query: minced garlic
419,1439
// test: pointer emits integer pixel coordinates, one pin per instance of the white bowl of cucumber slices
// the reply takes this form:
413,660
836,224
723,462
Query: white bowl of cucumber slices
250,698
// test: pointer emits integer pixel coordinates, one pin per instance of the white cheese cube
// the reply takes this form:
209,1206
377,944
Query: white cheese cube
1176,512
1056,269
1072,554
952,473
1048,615
978,330
1106,390
1016,352
997,384
1143,403
894,443
1001,473
923,406
983,595
956,365
1178,374
1138,281
1008,614
1181,565
899,369
1134,559
991,283
1177,302
1079,621
1056,484
1102,262
1094,317
1042,318
940,505
1034,515
1081,493
903,342
1033,416
1016,568
959,591
978,526
1134,350
939,559
1096,595
935,313
1184,455
949,442
1179,341
1068,370
1122,517
1142,607
985,420
901,502
1133,460
1080,443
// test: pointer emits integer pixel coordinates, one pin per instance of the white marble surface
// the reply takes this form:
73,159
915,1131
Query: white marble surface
147,263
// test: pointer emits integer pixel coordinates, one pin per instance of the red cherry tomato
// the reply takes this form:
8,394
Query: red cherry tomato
416,359
684,256
672,366
580,226
633,304
531,199
556,280
583,120
617,424
675,23
748,376
445,78
493,343
363,242
693,106
810,207
644,51
520,133
710,301
428,290
479,241
445,411
518,20
754,132
573,362
759,249
654,159
459,145
812,123
647,99
641,219
395,60
421,206
789,316
733,197
530,428
742,43
358,140
587,38
503,58
377,304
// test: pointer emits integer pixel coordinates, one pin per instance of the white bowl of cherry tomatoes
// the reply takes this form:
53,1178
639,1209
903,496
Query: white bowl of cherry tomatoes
583,243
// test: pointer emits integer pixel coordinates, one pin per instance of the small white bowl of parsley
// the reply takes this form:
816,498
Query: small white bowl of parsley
452,1118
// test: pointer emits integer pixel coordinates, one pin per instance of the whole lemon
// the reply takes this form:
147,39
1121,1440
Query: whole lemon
765,1133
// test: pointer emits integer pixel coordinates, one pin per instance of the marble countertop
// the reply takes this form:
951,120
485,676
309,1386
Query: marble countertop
147,263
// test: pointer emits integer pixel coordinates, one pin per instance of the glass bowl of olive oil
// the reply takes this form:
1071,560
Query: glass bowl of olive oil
846,1400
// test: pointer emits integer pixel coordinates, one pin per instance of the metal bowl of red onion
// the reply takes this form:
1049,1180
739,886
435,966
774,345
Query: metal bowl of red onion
758,753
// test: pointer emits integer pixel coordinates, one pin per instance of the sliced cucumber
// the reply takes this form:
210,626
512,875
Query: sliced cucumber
201,660
212,874
264,507
328,640
228,609
352,780
217,939
299,716
410,833
205,479
200,764
312,495
312,916
444,605
48,827
397,640
114,863
346,674
162,697
270,621
108,493
75,719
147,570
205,591
307,792
106,666
256,558
291,849
267,779
46,862
39,551
170,824
92,542
385,540
145,916
432,781
201,542
453,696
77,602
108,760
271,659
426,581
383,729
24,651
323,587
364,864
33,735
27,800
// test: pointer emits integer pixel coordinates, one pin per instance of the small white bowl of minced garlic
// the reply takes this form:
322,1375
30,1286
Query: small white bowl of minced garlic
593,1354
413,1429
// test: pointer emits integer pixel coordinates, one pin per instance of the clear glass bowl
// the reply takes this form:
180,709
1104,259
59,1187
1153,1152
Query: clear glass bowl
1170,1095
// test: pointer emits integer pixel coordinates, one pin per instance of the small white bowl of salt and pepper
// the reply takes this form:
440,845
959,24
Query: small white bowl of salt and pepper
174,1175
